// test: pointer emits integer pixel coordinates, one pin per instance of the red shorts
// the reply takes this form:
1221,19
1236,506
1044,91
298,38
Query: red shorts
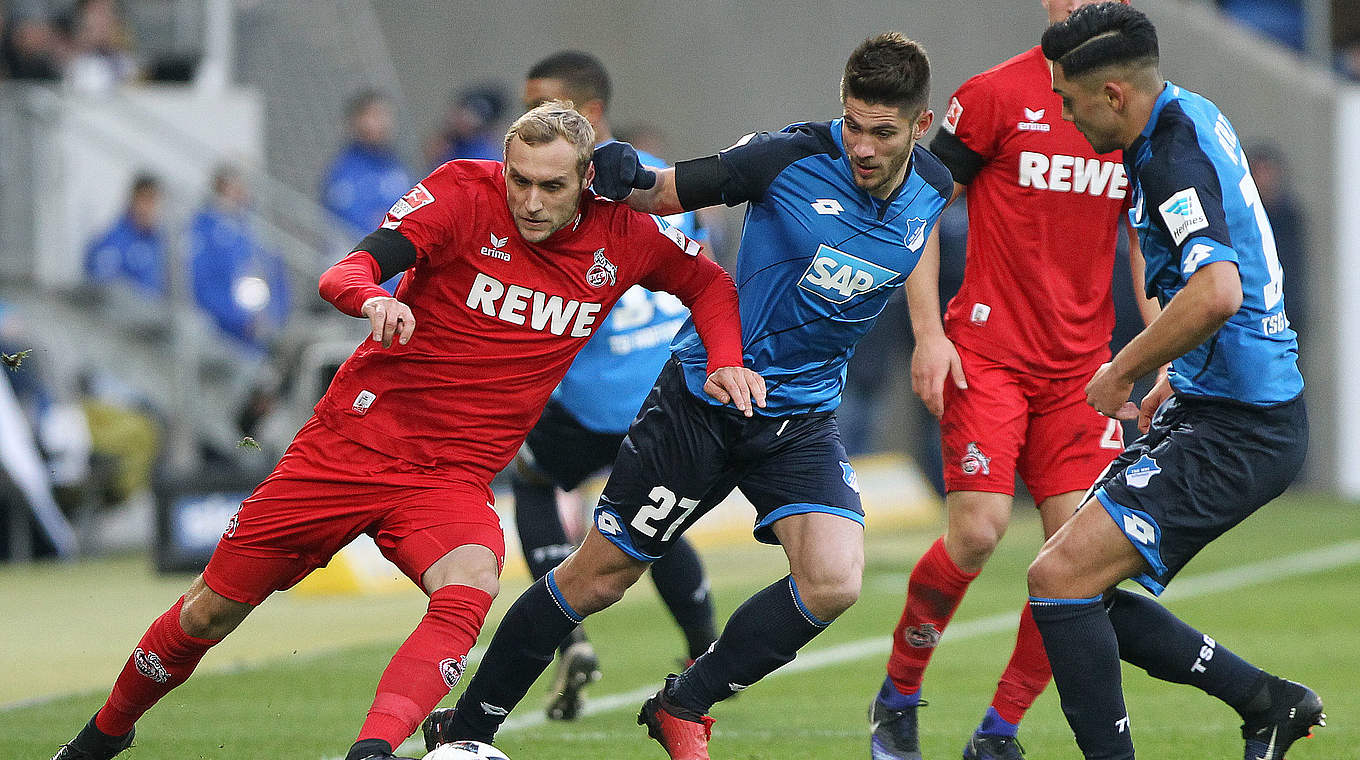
325,491
1007,421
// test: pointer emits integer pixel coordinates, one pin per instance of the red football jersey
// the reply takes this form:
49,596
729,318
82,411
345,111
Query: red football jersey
1043,215
499,320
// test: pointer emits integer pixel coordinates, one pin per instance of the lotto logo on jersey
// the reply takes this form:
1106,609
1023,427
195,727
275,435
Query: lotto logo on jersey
415,198
1183,214
837,276
1073,174
519,305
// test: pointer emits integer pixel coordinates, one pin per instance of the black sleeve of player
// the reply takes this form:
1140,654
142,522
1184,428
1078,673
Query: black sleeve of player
393,252
701,182
962,161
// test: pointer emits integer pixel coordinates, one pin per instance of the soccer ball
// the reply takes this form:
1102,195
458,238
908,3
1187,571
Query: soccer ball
466,750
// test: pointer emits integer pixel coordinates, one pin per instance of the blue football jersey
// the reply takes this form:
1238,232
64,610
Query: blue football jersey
610,378
819,259
1194,203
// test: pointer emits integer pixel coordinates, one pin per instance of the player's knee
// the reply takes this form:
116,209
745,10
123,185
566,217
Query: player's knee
970,542
1045,576
206,614
828,594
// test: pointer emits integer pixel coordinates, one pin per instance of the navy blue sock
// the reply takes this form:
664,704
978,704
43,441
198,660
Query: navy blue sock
519,653
896,700
679,579
1162,644
764,633
995,725
1084,654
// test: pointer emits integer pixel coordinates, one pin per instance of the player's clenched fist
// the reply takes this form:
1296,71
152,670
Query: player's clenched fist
737,386
389,318
618,171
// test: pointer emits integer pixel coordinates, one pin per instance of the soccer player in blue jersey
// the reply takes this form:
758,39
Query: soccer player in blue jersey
584,423
1225,428
837,218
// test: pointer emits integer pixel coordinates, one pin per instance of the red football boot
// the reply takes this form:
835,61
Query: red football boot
682,732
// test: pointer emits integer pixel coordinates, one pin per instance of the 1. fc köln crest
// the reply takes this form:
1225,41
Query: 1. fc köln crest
602,272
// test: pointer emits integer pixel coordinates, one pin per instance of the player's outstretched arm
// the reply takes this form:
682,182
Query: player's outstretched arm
620,176
389,319
934,360
351,285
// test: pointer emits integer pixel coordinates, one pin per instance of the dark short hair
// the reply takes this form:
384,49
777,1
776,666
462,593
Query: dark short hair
582,72
1096,36
145,182
361,100
888,69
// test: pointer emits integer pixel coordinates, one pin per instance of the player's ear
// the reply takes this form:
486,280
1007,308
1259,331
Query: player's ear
923,123
590,175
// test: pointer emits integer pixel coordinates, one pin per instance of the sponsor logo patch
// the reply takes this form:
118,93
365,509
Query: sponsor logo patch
827,206
981,312
951,117
1033,121
1183,214
494,251
924,636
838,276
452,669
415,198
363,401
849,476
603,272
916,234
149,665
1139,473
974,461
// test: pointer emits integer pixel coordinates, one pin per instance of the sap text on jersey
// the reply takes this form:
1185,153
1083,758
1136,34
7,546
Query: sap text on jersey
1072,174
519,305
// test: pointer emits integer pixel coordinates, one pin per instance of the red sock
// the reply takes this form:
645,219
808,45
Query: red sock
1027,674
426,668
936,587
163,659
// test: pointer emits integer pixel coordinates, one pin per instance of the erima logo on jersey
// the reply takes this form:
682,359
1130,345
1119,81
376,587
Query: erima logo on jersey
519,305
837,276
497,243
951,117
1032,122
415,198
1183,214
1139,473
1073,174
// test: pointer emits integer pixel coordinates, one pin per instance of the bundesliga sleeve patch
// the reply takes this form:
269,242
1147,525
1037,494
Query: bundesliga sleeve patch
951,117
674,234
1183,214
415,198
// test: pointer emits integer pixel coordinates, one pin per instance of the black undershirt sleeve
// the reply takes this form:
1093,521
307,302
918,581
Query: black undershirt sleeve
962,161
393,252
700,182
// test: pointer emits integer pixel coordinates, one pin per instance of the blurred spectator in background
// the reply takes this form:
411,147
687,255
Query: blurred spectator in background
471,127
30,46
1348,58
134,249
1269,170
242,286
366,177
1281,20
101,55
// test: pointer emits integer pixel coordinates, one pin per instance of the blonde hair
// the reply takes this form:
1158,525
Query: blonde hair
553,119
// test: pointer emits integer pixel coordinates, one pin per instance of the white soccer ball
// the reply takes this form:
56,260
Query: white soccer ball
466,750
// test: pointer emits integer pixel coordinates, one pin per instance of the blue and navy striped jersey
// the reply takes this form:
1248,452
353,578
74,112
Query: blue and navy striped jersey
610,378
1194,203
819,259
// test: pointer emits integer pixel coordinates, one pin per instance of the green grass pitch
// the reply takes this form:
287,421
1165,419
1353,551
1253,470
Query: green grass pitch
1279,590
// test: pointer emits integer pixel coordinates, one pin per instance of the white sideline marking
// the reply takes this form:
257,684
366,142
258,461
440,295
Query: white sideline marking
1256,573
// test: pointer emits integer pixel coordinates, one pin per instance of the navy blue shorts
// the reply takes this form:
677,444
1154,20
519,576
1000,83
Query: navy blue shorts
683,456
567,451
1204,466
